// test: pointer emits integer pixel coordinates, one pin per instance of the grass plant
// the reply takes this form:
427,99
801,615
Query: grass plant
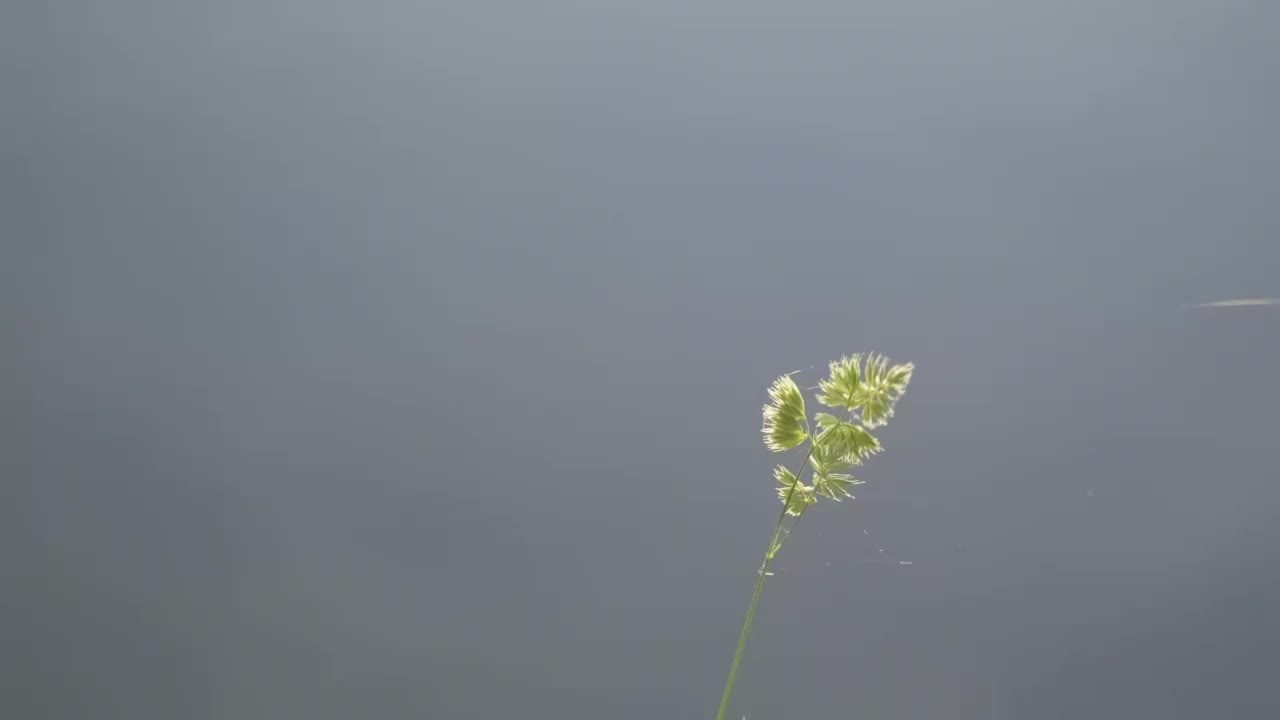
861,392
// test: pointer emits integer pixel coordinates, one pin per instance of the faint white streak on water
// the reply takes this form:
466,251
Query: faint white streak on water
1242,302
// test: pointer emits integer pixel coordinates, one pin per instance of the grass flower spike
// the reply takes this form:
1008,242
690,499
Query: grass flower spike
866,393
784,422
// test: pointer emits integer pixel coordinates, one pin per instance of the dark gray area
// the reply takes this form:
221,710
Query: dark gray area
398,359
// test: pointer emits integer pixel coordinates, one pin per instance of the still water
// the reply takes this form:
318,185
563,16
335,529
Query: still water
405,360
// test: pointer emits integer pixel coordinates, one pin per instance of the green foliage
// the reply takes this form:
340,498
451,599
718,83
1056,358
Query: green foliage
823,461
865,383
873,389
784,420
845,439
835,485
840,389
867,393
795,495
882,385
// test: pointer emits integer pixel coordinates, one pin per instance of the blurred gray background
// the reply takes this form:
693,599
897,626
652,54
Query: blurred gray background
405,359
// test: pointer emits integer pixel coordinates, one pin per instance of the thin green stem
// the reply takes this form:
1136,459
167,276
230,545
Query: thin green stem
755,596
775,544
